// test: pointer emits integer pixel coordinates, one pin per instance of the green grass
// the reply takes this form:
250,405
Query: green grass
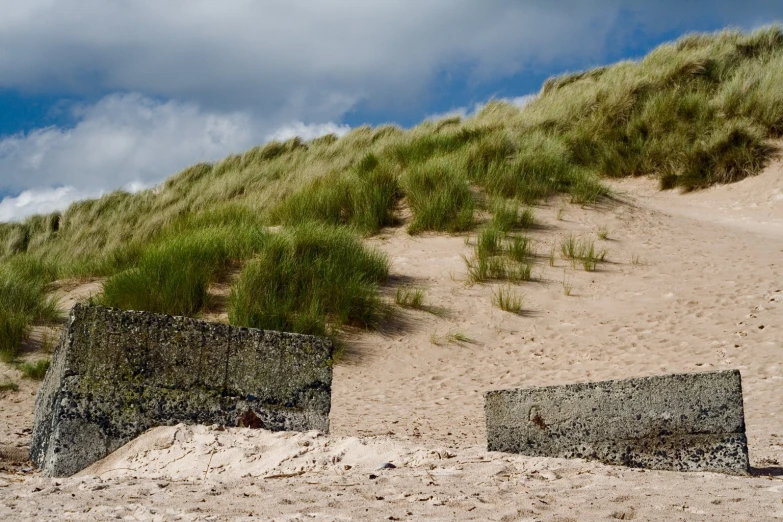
24,300
440,197
507,216
499,256
9,386
173,277
408,297
310,279
692,113
36,370
582,251
507,300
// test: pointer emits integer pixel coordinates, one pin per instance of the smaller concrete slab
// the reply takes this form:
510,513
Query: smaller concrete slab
683,422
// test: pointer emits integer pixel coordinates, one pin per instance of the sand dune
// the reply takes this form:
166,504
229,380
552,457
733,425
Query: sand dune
693,282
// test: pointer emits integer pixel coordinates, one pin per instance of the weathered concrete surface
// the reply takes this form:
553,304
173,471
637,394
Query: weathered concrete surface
684,422
116,374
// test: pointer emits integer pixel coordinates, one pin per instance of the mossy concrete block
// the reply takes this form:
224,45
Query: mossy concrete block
116,374
683,422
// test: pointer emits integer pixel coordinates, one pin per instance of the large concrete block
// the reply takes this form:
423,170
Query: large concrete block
116,374
683,422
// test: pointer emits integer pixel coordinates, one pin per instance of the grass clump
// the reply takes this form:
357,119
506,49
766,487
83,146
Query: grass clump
440,197
310,279
173,276
9,386
507,216
362,197
408,297
507,300
23,301
499,256
36,370
582,251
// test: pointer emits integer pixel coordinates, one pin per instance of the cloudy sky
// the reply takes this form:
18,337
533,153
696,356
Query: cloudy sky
103,94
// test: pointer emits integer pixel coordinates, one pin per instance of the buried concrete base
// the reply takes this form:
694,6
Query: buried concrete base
684,422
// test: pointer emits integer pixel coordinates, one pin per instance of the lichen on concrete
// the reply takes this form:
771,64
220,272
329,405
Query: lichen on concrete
682,422
118,373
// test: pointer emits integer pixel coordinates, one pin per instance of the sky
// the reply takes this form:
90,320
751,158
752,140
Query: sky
99,95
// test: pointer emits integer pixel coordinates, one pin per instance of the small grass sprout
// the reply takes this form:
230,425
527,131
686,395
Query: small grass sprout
567,286
409,297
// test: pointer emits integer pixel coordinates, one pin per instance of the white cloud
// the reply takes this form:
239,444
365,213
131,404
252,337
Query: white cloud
40,201
312,60
125,141
307,131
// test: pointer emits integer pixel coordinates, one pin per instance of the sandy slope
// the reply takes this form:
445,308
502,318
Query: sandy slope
694,282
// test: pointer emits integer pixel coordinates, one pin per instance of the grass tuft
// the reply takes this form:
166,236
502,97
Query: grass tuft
9,386
408,297
439,196
507,300
310,279
582,251
36,370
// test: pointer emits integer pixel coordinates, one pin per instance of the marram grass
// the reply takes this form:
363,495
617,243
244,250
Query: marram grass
692,113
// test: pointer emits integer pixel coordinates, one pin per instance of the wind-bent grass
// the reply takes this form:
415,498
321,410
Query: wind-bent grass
310,279
364,197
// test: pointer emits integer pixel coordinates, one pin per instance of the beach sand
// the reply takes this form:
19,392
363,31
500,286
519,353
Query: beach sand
693,282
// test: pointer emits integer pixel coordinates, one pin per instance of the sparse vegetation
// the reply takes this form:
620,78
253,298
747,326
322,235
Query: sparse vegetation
692,113
408,297
567,286
603,233
507,300
9,386
459,338
35,370
500,256
582,251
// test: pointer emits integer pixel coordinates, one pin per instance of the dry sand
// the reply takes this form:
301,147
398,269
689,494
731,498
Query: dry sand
693,282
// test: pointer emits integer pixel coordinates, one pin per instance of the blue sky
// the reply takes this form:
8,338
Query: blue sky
97,95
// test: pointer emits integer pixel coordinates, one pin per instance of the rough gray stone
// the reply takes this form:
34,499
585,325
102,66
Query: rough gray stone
683,422
116,374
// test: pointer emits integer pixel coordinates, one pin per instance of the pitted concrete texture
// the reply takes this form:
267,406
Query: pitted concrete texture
116,374
683,422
